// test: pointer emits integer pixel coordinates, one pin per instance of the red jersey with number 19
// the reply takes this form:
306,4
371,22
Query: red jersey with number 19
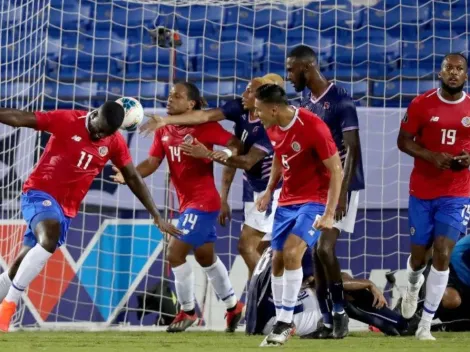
71,160
193,178
301,148
440,126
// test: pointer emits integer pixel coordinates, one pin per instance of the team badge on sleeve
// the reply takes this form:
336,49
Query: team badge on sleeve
103,151
466,121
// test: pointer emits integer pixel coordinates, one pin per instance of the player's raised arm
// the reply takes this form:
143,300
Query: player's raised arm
18,118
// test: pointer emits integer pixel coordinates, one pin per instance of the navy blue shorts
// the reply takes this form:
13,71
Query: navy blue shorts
38,206
444,216
297,219
198,227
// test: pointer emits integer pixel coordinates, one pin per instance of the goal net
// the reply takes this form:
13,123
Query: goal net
77,54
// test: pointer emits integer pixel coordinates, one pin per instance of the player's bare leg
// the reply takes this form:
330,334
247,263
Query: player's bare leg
330,264
287,264
47,233
184,285
262,246
436,284
217,275
247,247
8,275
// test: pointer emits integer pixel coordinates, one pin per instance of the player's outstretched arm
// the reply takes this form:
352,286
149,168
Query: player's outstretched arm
351,284
18,118
245,162
137,185
145,168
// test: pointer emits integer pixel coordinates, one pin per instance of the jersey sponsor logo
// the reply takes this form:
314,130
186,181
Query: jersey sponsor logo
405,118
435,119
103,151
466,121
47,203
295,146
412,230
188,139
76,138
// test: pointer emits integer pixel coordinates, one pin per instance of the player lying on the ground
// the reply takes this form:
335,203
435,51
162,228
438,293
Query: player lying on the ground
307,159
436,132
337,109
199,205
255,159
364,302
80,146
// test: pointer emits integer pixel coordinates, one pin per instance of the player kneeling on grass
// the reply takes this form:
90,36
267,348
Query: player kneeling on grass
199,202
307,159
80,146
364,302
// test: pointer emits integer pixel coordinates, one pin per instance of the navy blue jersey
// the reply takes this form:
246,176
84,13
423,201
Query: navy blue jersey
260,306
338,111
460,260
252,134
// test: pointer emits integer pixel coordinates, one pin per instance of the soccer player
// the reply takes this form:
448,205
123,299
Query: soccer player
199,205
337,109
365,303
255,160
307,159
80,146
436,133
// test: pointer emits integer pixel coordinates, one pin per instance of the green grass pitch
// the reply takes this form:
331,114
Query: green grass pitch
215,341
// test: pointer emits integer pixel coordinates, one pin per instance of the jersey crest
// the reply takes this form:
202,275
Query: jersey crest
466,121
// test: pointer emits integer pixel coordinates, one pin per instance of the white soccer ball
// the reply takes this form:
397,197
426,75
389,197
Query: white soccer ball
134,113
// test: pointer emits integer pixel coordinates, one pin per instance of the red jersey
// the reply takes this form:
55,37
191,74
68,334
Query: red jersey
439,126
193,178
71,160
301,148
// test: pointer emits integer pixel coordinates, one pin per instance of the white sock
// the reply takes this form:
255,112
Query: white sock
218,276
5,284
413,276
435,287
277,286
32,264
184,284
290,292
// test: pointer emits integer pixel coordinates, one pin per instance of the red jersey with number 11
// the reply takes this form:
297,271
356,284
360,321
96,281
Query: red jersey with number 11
301,148
440,126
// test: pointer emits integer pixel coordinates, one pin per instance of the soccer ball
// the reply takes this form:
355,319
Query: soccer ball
134,113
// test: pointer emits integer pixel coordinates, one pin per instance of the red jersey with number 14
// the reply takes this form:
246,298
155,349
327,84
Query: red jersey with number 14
439,126
71,160
301,148
193,178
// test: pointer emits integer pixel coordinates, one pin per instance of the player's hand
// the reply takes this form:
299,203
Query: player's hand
379,298
166,227
324,222
461,162
219,155
118,178
225,213
263,201
442,161
196,150
341,209
151,125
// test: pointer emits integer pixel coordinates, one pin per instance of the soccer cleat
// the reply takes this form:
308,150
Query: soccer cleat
181,322
7,309
340,325
424,333
234,316
409,303
322,333
280,334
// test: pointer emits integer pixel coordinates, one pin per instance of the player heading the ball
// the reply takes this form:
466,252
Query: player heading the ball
307,159
81,144
199,201
436,133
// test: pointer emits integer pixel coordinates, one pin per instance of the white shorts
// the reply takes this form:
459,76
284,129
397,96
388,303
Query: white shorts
347,223
305,322
258,220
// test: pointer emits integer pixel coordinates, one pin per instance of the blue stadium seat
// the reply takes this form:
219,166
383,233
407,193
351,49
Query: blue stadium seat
133,89
15,90
10,15
197,20
242,16
72,18
221,88
431,52
397,16
68,91
312,37
393,89
356,89
447,16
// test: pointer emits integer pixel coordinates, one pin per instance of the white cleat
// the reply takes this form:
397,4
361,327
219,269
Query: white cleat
265,343
279,336
409,303
424,333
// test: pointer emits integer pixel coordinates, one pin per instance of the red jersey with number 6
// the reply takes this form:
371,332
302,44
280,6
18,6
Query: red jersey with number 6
440,126
193,178
71,160
301,148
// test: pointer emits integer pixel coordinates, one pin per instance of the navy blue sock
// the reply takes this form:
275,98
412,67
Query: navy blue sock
337,296
325,305
396,319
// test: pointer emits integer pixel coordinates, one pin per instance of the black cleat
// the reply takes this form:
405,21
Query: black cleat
340,325
322,333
